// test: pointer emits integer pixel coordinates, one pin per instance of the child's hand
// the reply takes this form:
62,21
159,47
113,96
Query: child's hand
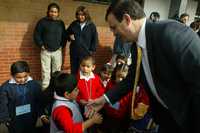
44,119
89,112
43,48
72,37
140,111
97,118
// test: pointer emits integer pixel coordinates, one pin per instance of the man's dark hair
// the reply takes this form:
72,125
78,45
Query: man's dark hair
53,5
19,67
64,82
121,7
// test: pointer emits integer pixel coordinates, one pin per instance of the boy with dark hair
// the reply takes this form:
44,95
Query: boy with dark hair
66,115
154,16
184,18
49,36
20,100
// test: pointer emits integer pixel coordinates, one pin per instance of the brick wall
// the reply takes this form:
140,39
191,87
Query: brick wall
17,21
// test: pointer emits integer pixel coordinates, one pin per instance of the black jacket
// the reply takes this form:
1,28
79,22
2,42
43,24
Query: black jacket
50,34
13,95
86,40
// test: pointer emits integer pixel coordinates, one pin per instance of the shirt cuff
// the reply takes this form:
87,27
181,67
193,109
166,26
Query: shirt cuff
107,99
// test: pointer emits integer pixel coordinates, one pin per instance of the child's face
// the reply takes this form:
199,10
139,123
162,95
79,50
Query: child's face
105,75
81,17
53,13
73,94
87,67
120,75
21,78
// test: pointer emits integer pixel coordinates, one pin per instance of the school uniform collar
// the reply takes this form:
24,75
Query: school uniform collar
59,97
56,97
12,80
91,76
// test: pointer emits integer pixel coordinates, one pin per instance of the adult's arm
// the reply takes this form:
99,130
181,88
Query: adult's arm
122,88
4,111
94,38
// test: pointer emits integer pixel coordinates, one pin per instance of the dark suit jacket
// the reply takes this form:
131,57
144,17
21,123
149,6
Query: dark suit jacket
174,58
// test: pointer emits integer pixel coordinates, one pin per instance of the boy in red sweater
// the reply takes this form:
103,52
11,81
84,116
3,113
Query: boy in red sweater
66,116
89,84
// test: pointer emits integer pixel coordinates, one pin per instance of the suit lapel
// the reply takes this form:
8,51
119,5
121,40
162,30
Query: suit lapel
149,47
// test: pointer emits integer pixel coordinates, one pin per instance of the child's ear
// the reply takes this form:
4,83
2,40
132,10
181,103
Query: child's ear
67,95
94,66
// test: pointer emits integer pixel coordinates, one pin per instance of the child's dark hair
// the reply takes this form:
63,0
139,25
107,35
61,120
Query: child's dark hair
122,57
119,67
19,67
64,82
85,12
53,5
89,57
106,68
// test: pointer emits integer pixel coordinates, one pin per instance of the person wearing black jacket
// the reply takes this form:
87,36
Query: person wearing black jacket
170,67
49,36
83,36
20,100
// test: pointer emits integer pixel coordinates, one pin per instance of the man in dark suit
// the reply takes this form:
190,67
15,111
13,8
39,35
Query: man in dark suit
170,67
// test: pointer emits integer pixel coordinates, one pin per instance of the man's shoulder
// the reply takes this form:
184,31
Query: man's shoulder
168,27
164,24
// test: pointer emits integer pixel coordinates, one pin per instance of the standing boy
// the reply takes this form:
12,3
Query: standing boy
49,36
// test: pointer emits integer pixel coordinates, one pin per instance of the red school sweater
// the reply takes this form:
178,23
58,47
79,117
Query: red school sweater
90,89
124,104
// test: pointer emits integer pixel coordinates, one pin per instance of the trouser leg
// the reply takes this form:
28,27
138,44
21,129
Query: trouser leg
46,68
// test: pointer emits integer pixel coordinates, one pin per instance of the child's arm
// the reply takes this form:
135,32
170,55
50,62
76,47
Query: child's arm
63,119
38,34
4,111
94,39
64,39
